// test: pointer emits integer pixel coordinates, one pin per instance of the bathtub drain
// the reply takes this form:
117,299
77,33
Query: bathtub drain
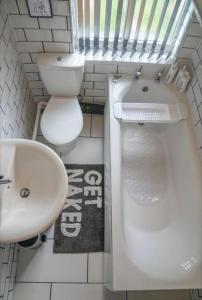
24,193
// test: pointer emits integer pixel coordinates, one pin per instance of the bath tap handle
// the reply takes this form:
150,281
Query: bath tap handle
158,75
138,74
5,181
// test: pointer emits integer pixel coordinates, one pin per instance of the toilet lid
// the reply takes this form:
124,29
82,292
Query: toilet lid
62,120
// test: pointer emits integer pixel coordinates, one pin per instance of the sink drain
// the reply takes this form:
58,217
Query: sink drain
24,193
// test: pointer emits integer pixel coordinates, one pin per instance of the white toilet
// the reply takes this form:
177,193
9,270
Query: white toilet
62,119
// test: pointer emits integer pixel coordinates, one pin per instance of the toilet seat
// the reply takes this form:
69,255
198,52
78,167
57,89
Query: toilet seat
62,120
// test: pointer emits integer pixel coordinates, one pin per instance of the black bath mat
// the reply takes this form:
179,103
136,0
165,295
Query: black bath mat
80,227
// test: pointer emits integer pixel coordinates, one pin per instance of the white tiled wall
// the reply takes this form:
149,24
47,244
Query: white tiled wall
194,94
35,35
17,113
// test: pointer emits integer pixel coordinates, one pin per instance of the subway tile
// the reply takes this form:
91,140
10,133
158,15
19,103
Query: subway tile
87,85
53,23
191,42
34,57
88,67
36,84
105,68
25,58
99,100
200,112
37,92
185,53
56,47
195,30
199,74
60,8
100,85
23,21
32,76
197,93
198,132
33,265
38,35
30,46
190,95
94,92
19,35
195,59
30,68
62,36
22,5
195,113
95,77
12,7
32,291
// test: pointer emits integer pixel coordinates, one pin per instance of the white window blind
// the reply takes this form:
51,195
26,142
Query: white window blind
136,27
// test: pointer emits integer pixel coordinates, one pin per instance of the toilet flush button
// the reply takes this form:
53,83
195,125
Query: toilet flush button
60,58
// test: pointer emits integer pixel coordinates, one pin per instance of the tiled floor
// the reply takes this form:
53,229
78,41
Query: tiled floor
42,275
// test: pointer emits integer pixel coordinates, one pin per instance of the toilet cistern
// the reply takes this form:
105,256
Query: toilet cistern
62,119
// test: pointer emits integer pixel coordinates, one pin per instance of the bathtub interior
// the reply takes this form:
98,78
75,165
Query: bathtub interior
160,191
160,195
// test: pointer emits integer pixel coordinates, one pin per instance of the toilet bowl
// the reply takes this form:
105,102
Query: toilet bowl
62,122
62,119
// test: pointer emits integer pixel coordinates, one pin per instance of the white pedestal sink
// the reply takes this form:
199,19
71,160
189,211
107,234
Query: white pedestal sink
36,193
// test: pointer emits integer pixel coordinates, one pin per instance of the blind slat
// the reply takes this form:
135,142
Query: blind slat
96,25
178,28
148,29
107,25
128,24
155,18
137,31
117,28
80,24
159,26
87,24
169,28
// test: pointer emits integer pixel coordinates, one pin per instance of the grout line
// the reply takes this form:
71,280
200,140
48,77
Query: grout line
87,266
51,285
91,125
60,282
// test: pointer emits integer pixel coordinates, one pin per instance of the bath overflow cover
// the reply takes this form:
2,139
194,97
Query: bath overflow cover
24,193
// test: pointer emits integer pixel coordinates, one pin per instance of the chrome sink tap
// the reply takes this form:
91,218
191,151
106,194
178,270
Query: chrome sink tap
158,75
4,181
138,74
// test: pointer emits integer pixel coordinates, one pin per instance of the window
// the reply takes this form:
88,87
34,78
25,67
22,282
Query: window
144,28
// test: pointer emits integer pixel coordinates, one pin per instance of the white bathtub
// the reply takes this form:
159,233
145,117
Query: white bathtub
153,191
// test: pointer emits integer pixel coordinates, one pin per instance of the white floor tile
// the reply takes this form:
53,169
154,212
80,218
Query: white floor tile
77,292
159,295
42,265
86,125
32,291
95,267
87,151
97,129
50,232
42,140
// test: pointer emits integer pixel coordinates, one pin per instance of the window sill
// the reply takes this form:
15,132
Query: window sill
126,59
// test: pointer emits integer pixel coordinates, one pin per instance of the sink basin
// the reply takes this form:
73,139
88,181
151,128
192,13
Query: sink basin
34,198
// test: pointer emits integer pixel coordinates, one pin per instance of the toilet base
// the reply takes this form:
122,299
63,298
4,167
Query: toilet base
67,147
